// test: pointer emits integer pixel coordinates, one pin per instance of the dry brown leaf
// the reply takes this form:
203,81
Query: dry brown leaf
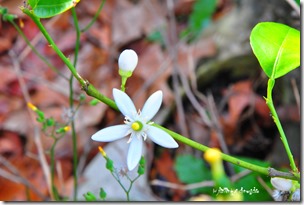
10,144
13,6
29,169
164,166
131,22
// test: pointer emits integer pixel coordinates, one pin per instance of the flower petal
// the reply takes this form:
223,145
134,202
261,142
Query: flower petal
124,103
161,138
111,133
135,152
281,183
152,105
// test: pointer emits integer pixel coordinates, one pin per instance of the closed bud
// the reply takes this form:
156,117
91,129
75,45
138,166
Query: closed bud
127,61
102,194
109,164
89,196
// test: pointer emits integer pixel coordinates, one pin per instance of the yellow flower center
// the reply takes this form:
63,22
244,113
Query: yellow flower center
137,126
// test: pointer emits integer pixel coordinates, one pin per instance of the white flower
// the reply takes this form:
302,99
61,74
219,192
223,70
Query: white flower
127,60
281,183
138,125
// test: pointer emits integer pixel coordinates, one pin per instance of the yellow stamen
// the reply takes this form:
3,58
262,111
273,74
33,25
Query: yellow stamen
102,151
31,106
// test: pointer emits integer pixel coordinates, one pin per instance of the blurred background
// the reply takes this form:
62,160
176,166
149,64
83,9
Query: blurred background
197,52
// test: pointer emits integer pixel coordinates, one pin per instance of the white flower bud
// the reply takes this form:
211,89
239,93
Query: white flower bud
281,183
127,60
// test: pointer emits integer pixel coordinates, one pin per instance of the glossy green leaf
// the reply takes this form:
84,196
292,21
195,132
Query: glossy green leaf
33,3
50,8
277,48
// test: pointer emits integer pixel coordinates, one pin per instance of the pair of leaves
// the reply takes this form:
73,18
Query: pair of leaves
277,48
50,8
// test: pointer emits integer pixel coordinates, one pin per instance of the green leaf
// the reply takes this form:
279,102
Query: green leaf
277,48
50,8
201,15
190,170
33,3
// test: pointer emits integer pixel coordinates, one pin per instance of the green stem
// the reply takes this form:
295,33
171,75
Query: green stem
228,158
94,18
52,167
122,186
123,83
71,101
276,120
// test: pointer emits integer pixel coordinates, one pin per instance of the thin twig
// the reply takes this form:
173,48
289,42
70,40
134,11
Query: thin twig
295,6
37,139
157,182
17,69
200,109
25,52
173,55
209,183
262,182
60,175
162,68
216,125
42,159
16,177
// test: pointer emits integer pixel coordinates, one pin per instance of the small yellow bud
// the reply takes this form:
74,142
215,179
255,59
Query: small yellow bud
31,106
212,155
102,151
67,128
